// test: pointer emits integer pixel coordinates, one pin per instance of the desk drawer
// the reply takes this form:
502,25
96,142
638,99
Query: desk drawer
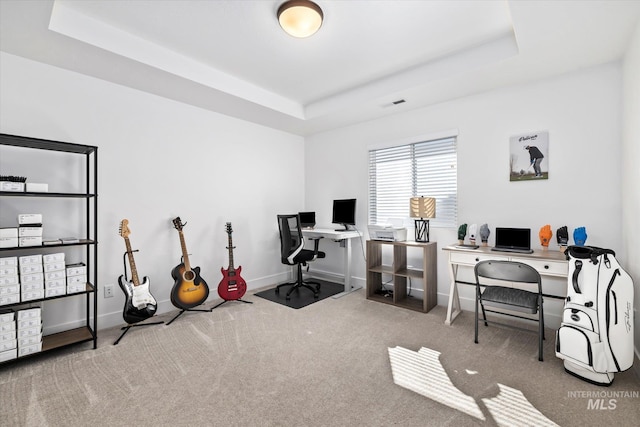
548,268
473,259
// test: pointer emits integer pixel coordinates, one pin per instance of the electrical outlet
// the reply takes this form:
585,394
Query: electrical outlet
108,291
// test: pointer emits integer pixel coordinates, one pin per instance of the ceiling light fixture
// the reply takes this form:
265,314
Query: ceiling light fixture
300,18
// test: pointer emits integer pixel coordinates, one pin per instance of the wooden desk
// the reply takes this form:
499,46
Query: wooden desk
546,262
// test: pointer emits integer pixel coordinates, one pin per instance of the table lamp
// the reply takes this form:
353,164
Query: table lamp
422,207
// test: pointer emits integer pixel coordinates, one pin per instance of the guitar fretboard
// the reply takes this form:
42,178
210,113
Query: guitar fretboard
132,263
185,255
230,247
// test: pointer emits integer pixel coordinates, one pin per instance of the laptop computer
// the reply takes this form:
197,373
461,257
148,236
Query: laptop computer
307,219
513,240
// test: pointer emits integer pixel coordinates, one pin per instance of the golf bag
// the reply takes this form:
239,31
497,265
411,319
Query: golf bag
595,338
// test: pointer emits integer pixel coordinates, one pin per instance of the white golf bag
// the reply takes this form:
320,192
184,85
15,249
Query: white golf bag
595,338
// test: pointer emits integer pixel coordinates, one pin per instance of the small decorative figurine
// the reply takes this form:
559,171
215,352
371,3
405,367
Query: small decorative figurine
462,231
484,234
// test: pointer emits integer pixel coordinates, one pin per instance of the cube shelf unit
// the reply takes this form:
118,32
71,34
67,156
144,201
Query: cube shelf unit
400,274
88,242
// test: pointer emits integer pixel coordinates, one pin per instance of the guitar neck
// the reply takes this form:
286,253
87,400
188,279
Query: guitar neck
132,263
185,255
230,247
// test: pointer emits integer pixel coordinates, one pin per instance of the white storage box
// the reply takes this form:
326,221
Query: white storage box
82,278
8,242
8,355
33,286
31,340
7,336
54,266
37,187
76,269
9,289
32,295
29,313
29,231
29,219
12,186
58,283
8,345
9,280
29,241
29,332
30,259
8,270
30,349
30,269
57,257
29,323
32,278
54,292
76,287
9,261
9,299
7,315
9,232
54,275
7,327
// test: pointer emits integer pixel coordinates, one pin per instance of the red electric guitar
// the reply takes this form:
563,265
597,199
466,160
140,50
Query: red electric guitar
232,286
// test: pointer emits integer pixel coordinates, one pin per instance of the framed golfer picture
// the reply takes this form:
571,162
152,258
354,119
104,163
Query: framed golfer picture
529,156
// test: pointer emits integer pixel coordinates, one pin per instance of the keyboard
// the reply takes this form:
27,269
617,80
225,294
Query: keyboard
518,251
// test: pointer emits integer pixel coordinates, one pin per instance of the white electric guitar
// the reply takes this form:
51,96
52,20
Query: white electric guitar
139,304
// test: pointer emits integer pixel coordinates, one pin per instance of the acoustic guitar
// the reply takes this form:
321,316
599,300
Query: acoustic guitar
232,286
139,303
189,289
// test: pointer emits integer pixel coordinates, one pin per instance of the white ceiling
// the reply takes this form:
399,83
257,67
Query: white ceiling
232,57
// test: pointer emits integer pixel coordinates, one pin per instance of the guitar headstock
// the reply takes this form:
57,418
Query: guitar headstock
177,223
228,227
123,230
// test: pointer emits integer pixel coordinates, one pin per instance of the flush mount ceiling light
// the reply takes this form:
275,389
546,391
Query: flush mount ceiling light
300,18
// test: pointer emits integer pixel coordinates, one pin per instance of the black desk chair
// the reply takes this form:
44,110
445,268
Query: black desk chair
514,299
293,253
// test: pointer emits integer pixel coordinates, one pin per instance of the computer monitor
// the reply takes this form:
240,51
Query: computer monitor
344,213
307,219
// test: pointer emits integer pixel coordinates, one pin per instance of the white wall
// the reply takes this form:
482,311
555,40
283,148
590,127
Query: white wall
158,159
631,172
581,111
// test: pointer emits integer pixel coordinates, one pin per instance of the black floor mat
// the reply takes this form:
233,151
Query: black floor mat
301,297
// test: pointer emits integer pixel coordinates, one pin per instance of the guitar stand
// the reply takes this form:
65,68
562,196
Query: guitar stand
131,325
186,309
227,300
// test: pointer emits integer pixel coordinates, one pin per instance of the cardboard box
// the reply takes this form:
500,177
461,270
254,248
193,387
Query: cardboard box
8,232
37,187
28,231
29,241
8,242
29,219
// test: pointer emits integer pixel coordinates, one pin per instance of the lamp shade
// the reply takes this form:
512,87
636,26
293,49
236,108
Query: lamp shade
300,18
422,207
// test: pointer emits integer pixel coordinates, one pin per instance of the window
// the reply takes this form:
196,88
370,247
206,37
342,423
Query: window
427,168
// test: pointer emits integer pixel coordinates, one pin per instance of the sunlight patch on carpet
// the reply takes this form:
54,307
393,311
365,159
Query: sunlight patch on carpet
421,372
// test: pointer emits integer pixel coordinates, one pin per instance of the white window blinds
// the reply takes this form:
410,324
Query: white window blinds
427,168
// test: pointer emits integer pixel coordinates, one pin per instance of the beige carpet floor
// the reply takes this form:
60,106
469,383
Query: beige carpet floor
327,364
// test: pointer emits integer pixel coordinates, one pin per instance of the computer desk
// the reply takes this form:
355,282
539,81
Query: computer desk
547,262
344,238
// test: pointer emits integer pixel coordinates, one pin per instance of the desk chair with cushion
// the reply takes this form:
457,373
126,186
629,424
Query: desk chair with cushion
509,298
293,253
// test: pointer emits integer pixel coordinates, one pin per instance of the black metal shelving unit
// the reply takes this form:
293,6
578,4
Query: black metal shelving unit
88,332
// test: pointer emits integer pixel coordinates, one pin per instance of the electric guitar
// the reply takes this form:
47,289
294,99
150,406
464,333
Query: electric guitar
232,286
139,304
189,289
